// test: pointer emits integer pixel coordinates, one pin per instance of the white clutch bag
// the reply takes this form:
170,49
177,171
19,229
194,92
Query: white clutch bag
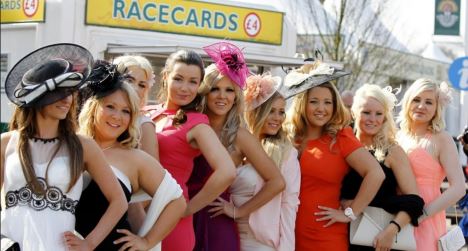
373,220
453,240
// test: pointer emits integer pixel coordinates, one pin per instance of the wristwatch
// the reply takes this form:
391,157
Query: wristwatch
349,213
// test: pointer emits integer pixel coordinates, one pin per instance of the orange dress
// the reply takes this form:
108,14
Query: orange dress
322,171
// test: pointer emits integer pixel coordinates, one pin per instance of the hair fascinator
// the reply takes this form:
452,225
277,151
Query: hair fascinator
103,80
259,89
229,60
309,76
48,74
445,94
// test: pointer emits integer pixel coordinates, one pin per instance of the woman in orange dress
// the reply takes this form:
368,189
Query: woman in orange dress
433,156
317,121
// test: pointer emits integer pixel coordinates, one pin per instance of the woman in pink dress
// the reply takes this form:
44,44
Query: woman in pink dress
433,156
182,134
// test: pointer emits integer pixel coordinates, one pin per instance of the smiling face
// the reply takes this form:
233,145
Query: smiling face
275,118
139,80
319,108
423,107
57,110
371,117
221,97
112,117
183,82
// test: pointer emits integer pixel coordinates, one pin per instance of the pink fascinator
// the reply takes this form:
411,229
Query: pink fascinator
260,89
229,60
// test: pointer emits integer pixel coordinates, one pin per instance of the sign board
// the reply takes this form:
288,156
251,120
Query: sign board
458,73
447,17
189,18
22,11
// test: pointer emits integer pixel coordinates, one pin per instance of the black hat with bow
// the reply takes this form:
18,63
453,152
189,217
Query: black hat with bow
48,74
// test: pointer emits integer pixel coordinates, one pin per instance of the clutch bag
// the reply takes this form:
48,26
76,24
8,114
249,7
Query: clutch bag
373,220
453,240
8,244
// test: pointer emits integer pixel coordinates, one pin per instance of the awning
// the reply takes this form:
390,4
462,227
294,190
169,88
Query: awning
165,51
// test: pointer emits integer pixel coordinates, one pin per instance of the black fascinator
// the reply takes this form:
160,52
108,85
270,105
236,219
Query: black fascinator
103,80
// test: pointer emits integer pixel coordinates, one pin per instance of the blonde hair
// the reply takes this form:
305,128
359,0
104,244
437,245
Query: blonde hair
386,137
87,118
443,97
297,122
234,116
124,62
276,146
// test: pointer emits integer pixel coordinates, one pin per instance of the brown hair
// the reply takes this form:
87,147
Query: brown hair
25,122
188,58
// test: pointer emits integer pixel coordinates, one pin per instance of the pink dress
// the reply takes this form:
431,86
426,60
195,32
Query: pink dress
176,155
429,176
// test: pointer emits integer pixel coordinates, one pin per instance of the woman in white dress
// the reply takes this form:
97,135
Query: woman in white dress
42,159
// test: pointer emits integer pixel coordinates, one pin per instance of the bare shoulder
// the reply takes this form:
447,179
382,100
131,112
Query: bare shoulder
443,138
396,152
243,135
86,140
6,138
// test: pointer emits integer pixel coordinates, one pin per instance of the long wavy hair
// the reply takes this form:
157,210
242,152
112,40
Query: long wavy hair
276,146
25,122
87,118
234,116
386,137
188,58
297,122
443,97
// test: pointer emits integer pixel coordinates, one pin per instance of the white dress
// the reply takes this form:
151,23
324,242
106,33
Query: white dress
38,222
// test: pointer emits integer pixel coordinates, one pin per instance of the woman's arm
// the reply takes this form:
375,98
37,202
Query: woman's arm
150,176
148,141
102,174
5,138
265,167
448,158
400,165
224,171
368,167
289,201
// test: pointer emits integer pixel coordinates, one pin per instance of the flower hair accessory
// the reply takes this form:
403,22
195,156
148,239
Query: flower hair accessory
259,89
445,94
390,95
103,80
229,60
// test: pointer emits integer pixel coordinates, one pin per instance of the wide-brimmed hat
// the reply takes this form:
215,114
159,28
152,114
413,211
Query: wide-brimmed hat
308,76
259,89
48,74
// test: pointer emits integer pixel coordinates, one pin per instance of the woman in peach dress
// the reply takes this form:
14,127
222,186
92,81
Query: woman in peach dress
433,156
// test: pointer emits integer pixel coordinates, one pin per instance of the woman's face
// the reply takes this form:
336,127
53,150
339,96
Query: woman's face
183,82
275,118
423,107
113,116
221,97
371,117
57,110
137,77
319,108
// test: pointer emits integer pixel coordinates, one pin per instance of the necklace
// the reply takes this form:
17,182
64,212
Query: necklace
45,141
109,147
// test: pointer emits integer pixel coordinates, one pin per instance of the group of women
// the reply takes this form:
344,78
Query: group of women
219,163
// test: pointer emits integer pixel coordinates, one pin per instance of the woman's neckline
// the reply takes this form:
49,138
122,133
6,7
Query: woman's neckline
44,140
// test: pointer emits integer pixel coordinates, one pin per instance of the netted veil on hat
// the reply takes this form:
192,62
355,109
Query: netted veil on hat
48,74
308,76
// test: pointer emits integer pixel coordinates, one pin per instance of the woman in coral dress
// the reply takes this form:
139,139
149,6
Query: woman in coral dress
433,156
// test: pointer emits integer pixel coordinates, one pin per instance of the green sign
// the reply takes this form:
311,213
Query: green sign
3,127
447,17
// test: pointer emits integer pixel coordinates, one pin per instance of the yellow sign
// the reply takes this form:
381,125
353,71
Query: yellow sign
22,11
189,18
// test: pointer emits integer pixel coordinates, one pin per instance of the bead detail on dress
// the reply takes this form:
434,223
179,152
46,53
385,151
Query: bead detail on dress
53,198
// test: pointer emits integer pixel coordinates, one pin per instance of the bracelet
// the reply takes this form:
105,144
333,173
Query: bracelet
425,212
396,224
